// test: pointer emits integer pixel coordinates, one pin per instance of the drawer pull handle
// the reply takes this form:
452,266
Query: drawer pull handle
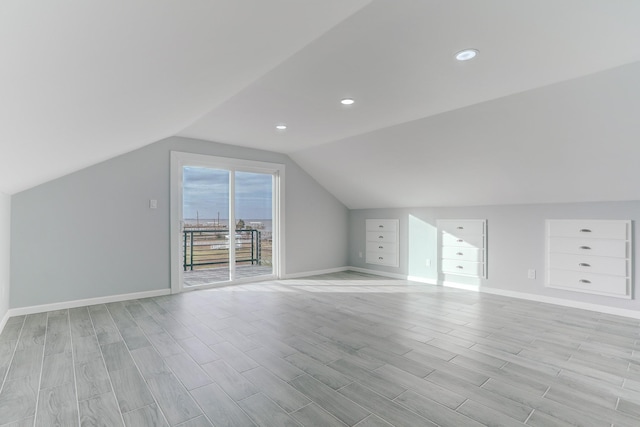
459,266
380,247
380,258
380,237
381,226
584,264
585,230
460,253
459,240
460,228
586,248
584,281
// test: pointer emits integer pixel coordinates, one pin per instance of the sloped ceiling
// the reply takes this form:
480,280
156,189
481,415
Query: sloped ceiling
83,81
545,113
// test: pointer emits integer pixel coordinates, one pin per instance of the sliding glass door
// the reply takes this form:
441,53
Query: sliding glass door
254,224
228,220
206,236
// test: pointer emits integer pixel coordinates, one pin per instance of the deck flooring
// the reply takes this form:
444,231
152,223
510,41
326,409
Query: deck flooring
332,350
213,275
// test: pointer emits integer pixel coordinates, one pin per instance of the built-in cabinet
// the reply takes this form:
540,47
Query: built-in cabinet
592,256
463,247
382,246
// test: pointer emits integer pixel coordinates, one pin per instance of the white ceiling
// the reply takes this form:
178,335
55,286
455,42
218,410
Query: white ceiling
83,81
545,113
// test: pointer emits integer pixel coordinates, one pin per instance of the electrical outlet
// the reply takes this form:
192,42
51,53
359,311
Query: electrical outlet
153,204
531,274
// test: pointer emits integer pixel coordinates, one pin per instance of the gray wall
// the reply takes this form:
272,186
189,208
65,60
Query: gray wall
5,229
91,233
516,243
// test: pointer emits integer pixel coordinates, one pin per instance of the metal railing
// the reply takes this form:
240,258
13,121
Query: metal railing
211,247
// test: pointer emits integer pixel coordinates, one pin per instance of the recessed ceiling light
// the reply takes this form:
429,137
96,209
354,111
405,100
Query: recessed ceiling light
347,101
281,127
467,54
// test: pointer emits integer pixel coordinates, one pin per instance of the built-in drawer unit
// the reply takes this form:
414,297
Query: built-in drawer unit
597,229
465,268
465,227
588,246
382,236
592,256
602,284
382,242
463,249
462,253
389,248
464,241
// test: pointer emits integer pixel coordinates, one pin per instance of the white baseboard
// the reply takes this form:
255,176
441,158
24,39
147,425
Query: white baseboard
378,273
394,275
634,314
464,286
3,322
315,272
422,280
84,302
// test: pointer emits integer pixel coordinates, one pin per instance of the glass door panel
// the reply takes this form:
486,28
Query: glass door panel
254,224
206,241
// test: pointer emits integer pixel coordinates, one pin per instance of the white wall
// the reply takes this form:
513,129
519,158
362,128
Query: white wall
91,233
5,229
516,243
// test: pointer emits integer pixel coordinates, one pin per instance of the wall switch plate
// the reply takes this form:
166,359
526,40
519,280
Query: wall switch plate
531,274
153,204
428,262
360,254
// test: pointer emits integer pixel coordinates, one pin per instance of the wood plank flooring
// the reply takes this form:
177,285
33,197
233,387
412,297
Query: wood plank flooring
332,350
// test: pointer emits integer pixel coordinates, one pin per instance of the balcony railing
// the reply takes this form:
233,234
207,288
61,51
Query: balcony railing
211,247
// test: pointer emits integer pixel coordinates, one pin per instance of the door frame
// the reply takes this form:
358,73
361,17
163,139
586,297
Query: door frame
181,159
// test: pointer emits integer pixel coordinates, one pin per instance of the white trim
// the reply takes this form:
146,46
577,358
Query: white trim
564,302
463,286
4,320
85,302
277,170
634,314
175,214
278,222
232,231
379,273
422,280
361,270
316,272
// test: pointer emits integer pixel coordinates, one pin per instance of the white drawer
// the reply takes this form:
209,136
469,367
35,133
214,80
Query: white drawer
586,246
595,229
381,247
382,258
462,227
588,282
465,268
589,264
382,236
465,242
461,253
382,225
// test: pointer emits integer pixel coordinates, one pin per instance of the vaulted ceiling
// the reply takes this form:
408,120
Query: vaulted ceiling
547,111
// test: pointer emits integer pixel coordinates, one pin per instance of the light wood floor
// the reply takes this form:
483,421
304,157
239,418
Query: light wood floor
332,350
